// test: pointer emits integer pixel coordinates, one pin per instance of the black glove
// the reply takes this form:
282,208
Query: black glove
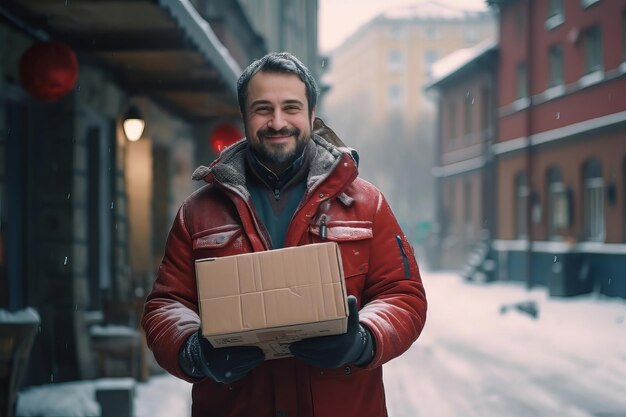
197,358
356,346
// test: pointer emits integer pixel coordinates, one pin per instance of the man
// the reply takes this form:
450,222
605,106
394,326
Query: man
283,185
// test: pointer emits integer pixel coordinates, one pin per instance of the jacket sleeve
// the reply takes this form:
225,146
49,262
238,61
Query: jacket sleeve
171,310
394,296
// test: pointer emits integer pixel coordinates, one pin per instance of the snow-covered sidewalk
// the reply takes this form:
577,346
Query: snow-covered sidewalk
473,359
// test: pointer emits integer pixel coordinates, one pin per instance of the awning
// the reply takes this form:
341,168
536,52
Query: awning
162,49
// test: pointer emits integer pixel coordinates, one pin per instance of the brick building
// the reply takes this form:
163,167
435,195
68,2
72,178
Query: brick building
560,151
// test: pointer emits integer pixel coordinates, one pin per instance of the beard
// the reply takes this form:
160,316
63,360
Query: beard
281,153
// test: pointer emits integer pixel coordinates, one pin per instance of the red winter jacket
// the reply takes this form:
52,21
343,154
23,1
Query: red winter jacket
379,266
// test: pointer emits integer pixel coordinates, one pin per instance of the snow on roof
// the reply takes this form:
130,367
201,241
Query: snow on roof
456,60
27,315
430,11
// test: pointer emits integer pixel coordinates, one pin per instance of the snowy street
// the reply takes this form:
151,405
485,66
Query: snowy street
473,360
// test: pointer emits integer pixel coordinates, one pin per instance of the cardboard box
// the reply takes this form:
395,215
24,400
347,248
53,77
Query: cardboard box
274,298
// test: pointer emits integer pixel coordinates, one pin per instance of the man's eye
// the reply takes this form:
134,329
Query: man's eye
292,109
262,110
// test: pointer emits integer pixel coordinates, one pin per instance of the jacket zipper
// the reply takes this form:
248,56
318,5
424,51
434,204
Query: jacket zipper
323,228
405,259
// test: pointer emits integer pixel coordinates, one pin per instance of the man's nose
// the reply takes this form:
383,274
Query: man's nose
277,121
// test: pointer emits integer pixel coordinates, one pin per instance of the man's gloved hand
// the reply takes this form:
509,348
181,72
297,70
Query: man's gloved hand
199,359
356,346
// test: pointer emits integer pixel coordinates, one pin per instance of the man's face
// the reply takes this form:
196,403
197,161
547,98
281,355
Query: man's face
277,121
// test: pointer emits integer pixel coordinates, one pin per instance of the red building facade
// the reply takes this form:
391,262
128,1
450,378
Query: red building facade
558,155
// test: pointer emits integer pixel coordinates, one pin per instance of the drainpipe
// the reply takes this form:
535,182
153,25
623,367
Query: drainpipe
439,218
529,150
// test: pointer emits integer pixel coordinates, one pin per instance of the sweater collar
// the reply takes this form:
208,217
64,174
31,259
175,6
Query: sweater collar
273,180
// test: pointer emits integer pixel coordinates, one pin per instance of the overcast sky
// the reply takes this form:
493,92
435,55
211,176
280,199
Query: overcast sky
340,18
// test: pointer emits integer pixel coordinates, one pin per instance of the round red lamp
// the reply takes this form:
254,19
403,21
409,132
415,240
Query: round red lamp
48,70
224,135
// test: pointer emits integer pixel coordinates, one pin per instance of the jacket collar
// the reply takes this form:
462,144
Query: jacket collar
229,168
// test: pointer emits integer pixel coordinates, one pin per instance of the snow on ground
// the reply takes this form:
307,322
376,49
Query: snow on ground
471,360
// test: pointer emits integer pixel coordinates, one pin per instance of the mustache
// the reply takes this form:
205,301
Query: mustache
282,132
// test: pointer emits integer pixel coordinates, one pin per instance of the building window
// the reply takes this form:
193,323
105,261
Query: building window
452,209
432,33
558,207
623,195
555,14
467,207
593,49
452,123
485,112
624,35
397,32
593,195
394,96
521,81
521,206
587,3
519,22
395,60
430,57
471,36
556,65
468,116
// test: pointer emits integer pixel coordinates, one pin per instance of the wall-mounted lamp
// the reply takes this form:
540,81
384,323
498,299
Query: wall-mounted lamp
133,124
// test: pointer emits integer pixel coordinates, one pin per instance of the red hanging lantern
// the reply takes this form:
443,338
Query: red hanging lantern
224,135
48,70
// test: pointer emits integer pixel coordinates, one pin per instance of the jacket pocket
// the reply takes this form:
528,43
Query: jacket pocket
354,239
219,241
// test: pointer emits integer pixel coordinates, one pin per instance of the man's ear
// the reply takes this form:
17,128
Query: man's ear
312,116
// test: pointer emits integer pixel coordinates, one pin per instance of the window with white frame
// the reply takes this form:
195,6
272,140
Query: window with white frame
555,14
468,117
556,65
593,49
587,3
521,206
395,97
430,57
593,195
558,207
395,60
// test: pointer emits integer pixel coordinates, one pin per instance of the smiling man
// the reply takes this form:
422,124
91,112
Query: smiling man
277,118
284,185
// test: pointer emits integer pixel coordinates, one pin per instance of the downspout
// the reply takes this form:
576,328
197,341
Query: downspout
438,184
529,151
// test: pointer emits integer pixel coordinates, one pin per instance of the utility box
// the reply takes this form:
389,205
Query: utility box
271,299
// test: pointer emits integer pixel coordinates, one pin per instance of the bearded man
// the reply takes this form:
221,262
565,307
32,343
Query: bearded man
284,185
